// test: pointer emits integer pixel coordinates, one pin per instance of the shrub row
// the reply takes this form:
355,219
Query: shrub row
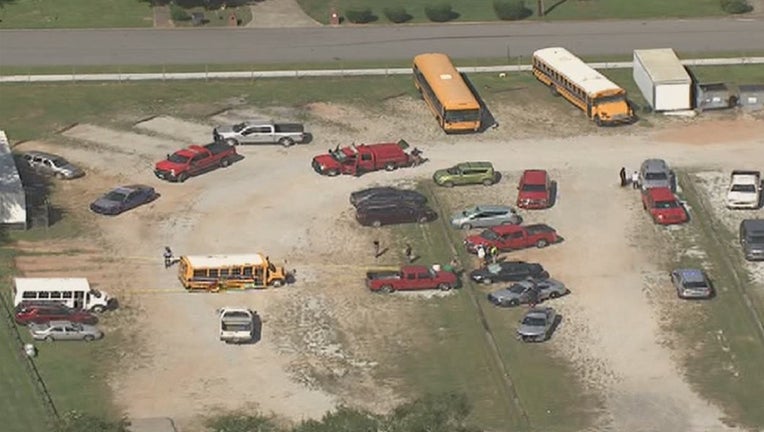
443,12
735,6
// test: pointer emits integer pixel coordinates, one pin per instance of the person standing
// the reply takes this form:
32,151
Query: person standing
533,295
168,259
622,175
481,254
493,252
409,254
376,248
635,180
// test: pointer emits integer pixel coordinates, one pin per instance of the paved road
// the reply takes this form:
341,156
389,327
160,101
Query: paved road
324,44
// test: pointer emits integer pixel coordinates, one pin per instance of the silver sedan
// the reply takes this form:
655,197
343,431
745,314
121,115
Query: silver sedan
484,216
64,330
521,292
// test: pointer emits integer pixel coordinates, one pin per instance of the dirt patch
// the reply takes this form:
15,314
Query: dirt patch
701,132
122,141
279,13
177,129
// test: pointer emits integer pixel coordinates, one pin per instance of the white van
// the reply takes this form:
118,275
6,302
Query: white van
73,292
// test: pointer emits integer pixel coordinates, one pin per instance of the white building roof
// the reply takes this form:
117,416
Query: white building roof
51,284
567,64
13,207
213,261
662,65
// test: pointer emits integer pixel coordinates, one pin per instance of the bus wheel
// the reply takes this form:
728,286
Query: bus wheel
277,283
98,309
597,121
553,90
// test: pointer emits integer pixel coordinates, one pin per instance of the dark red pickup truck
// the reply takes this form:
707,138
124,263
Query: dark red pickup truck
358,159
182,164
410,278
509,237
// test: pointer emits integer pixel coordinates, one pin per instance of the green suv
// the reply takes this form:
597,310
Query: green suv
466,173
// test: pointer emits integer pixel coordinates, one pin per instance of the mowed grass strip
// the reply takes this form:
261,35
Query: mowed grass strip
482,10
722,344
39,14
21,406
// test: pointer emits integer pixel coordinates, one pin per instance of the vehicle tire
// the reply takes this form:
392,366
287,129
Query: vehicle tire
98,309
448,184
553,90
487,182
49,339
376,224
542,243
182,177
554,294
60,176
332,173
225,162
277,283
390,167
598,121
88,338
387,289
466,226
444,287
286,142
231,142
487,281
644,206
513,303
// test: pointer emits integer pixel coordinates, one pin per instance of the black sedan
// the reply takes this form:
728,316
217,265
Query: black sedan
386,194
123,198
508,271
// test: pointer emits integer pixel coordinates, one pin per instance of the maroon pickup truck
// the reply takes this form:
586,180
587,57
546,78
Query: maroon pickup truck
182,164
510,237
362,158
410,278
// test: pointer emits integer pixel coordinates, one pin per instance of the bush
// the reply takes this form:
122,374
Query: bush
360,16
177,13
440,12
735,6
397,14
510,10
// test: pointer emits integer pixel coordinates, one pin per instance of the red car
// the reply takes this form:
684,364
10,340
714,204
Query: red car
362,158
663,206
512,237
40,314
535,190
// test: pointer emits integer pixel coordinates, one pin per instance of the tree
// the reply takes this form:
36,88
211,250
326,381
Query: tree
433,413
75,421
344,419
239,421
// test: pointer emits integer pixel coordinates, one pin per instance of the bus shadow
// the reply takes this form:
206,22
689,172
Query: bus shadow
487,120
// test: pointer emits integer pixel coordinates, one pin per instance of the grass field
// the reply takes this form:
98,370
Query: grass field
17,14
482,10
724,346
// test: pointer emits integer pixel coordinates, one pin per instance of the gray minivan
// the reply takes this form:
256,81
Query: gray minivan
752,239
484,216
655,173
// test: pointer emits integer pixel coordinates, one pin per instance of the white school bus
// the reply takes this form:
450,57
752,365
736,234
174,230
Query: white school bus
75,293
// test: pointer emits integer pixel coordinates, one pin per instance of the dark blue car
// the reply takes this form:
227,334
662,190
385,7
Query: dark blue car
123,198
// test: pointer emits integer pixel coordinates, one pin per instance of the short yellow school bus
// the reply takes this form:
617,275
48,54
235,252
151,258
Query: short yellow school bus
455,106
565,74
216,272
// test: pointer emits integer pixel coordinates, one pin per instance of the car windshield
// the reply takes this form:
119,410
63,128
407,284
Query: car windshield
489,235
176,158
237,327
744,188
517,289
118,196
338,155
666,204
696,284
493,268
534,321
453,170
534,188
453,116
59,162
239,127
95,293
655,176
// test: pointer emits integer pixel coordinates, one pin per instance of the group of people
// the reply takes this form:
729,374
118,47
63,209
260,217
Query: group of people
487,254
634,180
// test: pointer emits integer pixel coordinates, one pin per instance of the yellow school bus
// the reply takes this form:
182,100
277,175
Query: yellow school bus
443,89
603,101
216,272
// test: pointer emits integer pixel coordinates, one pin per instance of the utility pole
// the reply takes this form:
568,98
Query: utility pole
541,8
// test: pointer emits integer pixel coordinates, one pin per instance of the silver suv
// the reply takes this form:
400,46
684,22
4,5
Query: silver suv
655,173
52,165
484,216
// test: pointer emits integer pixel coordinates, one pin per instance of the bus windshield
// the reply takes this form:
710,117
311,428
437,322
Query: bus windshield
457,116
609,99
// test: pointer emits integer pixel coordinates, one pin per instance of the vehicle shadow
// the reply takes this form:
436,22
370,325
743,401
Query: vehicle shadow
487,119
308,138
257,329
553,327
553,193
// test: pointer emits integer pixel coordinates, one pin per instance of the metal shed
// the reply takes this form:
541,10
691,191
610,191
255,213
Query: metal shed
714,96
751,96
13,207
662,79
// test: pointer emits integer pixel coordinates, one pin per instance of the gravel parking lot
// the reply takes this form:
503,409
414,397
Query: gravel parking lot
271,201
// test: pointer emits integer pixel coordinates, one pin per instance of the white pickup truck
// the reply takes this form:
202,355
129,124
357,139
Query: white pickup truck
261,132
237,325
744,190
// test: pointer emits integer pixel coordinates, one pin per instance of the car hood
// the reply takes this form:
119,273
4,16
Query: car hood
326,161
742,196
476,240
225,130
70,169
166,165
440,174
104,203
529,330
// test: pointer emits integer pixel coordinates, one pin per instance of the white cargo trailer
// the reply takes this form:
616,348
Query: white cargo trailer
662,79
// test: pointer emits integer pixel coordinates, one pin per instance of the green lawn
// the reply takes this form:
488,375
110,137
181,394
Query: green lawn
21,406
17,14
482,10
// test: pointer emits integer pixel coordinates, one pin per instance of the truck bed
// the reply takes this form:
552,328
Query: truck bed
288,128
388,274
218,147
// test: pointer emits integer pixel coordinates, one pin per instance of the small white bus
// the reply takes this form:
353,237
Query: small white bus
73,292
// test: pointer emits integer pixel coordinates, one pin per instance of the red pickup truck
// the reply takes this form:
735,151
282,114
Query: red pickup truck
410,278
182,164
510,237
358,159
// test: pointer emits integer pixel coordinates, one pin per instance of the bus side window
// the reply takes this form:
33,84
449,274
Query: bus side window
43,294
79,294
67,294
248,271
29,295
213,273
55,294
200,273
224,272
